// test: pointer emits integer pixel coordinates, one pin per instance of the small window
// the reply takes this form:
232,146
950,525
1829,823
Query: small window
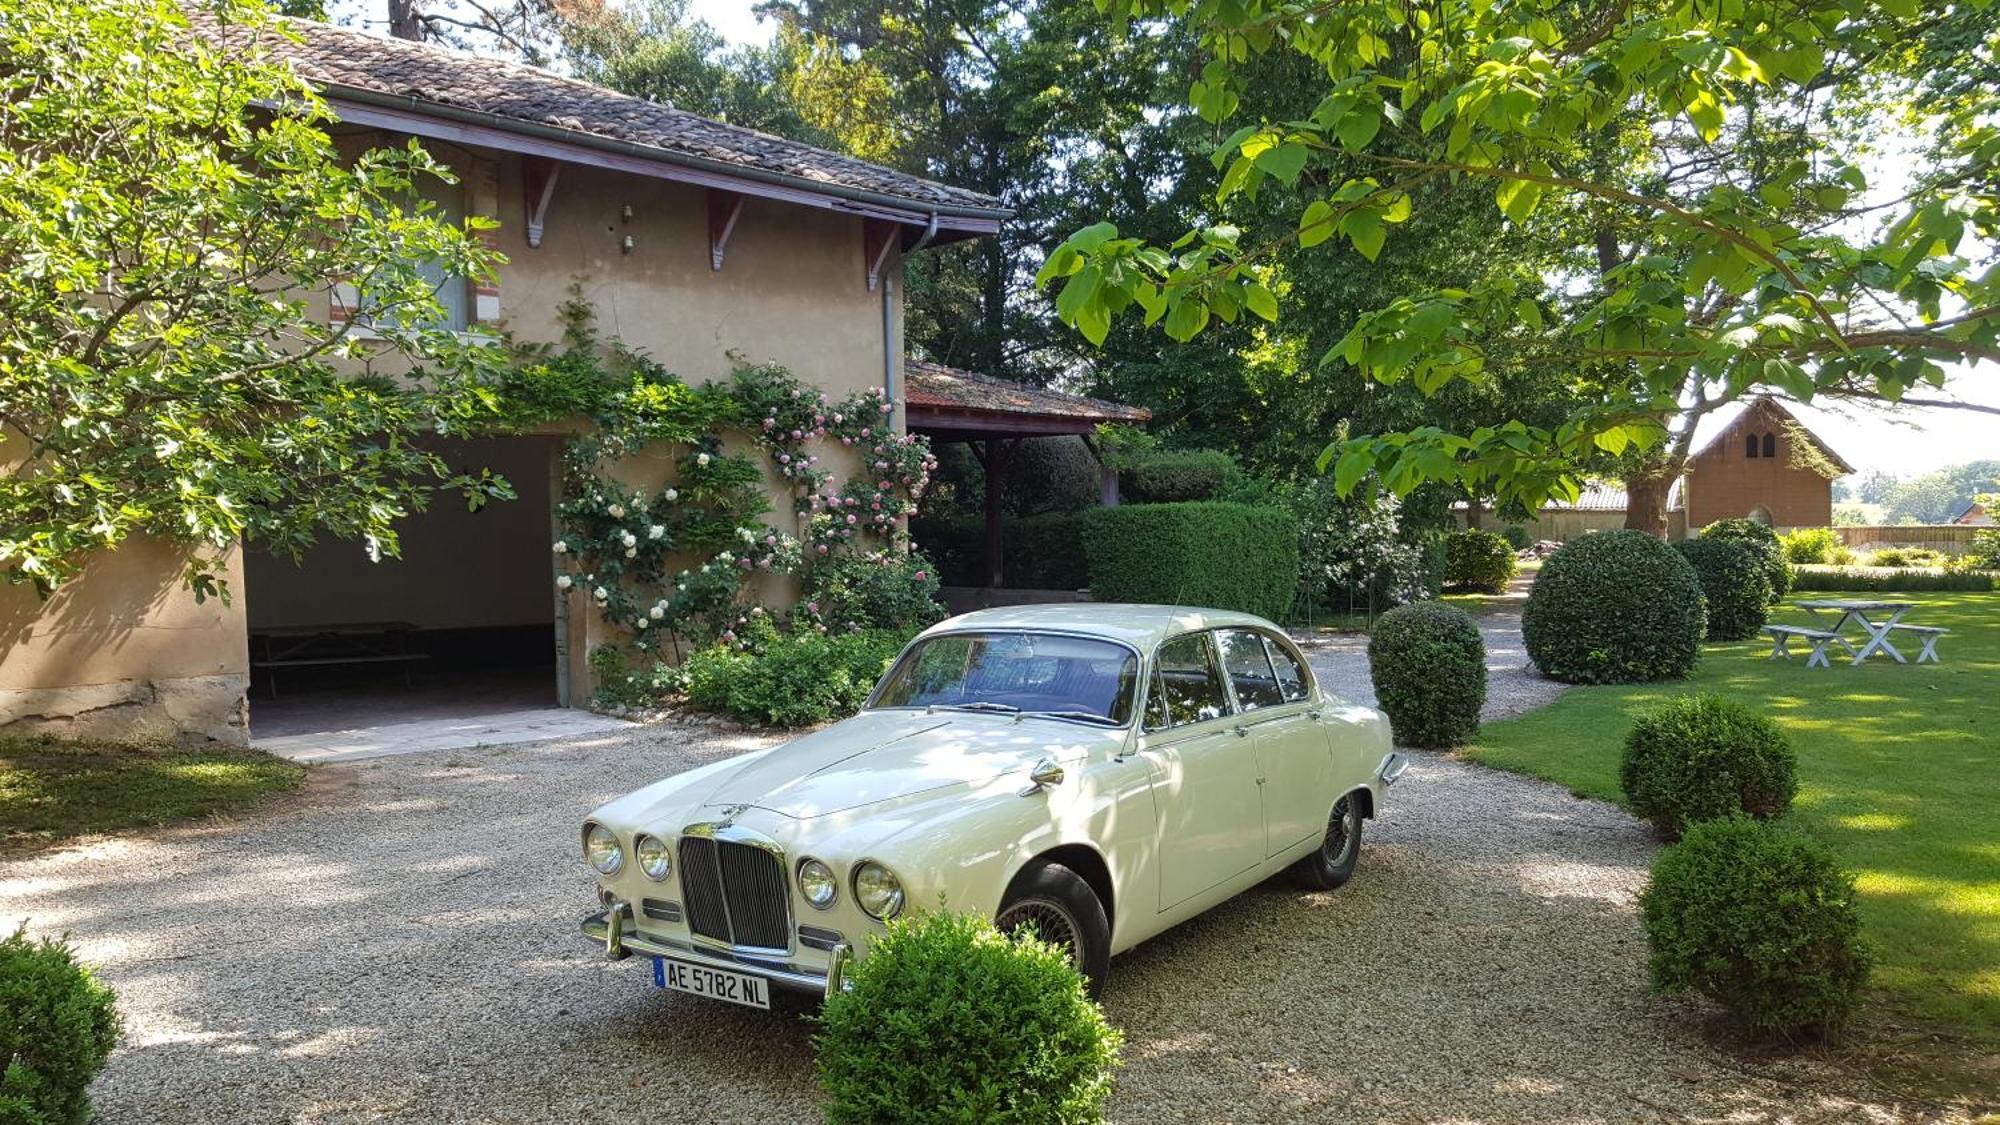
1249,668
1291,676
454,293
1188,683
1770,445
1749,445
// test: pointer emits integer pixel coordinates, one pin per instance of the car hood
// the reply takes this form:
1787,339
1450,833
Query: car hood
880,756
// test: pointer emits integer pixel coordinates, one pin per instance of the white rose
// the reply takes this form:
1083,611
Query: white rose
631,552
601,593
630,539
643,623
655,531
657,612
564,582
702,459
672,494
617,511
561,547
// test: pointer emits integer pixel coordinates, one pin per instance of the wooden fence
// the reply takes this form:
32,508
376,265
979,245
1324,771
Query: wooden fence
1945,538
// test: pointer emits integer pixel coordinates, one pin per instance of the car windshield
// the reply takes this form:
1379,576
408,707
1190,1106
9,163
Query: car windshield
1026,673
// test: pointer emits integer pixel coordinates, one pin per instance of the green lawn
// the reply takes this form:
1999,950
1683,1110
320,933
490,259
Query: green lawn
1899,770
51,791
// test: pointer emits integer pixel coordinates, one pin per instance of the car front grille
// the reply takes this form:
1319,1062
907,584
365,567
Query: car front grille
736,893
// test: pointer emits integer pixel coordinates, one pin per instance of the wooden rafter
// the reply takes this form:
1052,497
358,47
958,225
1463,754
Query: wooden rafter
878,237
724,208
538,187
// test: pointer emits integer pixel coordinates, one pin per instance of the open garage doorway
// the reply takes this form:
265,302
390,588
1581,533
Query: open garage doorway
461,626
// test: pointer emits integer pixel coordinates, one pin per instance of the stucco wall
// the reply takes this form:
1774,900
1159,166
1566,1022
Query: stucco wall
1723,483
125,651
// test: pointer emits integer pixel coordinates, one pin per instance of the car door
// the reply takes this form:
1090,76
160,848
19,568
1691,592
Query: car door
1205,773
1292,749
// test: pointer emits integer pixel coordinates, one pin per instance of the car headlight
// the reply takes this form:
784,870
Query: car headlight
600,847
878,891
817,884
653,857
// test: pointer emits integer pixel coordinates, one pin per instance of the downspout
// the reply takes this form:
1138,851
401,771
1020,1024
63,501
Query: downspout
889,313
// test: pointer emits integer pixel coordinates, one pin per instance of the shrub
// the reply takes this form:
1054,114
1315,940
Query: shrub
1428,664
1516,536
795,680
1810,545
1700,757
1353,551
949,1020
878,590
1170,478
1615,607
1760,920
1764,541
1229,556
1477,560
1045,552
1733,584
57,1026
1890,557
1986,547
1818,579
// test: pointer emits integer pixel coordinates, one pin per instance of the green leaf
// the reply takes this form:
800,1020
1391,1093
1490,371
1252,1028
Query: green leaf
1359,128
1186,318
1365,230
1355,461
1260,300
1285,162
1529,313
1517,198
1317,224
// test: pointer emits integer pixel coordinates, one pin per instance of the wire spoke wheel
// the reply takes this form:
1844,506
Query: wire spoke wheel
1339,838
1047,920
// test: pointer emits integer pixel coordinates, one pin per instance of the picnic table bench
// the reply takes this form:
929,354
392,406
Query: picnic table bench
366,642
1857,611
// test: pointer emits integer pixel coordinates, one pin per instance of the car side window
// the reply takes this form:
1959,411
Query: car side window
1249,668
1291,677
1187,682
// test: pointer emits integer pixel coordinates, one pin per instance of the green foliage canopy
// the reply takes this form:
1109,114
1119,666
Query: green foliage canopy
174,222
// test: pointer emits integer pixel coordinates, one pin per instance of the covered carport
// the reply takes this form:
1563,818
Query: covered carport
992,416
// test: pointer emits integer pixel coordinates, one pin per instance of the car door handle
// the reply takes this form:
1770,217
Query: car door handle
1241,731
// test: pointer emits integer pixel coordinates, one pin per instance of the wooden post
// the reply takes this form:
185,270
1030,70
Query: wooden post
996,457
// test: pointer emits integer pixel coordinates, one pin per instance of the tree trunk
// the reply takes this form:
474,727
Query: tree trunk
1646,491
403,21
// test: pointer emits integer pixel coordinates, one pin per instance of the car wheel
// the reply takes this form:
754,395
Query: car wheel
1059,907
1333,863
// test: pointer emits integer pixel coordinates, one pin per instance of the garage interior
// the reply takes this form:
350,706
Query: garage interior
462,624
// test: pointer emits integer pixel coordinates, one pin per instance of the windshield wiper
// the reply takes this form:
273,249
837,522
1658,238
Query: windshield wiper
1080,716
978,705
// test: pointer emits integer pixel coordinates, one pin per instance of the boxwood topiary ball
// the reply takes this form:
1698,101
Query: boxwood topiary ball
1615,607
1479,561
1701,757
1734,584
1764,542
1428,664
1760,920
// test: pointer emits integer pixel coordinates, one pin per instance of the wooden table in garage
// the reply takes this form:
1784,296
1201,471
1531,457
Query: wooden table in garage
365,642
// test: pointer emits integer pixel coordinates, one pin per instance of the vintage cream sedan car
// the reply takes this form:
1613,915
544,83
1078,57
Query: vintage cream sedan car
1100,772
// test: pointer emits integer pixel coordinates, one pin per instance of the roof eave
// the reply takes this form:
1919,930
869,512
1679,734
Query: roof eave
410,114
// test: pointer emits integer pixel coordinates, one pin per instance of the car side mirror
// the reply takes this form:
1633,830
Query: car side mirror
1044,774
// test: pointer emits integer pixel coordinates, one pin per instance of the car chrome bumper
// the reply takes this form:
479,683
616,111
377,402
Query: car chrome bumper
613,929
1392,768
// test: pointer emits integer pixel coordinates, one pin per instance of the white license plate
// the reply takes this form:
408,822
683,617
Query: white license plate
716,984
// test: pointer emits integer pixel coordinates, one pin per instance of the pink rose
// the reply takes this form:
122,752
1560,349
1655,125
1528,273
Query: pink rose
921,575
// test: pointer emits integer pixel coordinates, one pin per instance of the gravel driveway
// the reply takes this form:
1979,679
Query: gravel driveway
399,943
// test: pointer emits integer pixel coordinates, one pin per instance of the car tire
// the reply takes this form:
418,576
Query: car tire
1062,908
1332,863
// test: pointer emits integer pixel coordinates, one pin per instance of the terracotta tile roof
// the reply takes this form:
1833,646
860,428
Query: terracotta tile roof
336,58
950,388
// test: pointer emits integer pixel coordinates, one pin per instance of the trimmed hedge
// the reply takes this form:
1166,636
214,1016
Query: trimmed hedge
1042,552
1225,556
1734,583
1478,561
1863,580
1428,664
1615,607
1700,757
57,1026
1759,919
1178,477
1516,536
1762,540
948,1020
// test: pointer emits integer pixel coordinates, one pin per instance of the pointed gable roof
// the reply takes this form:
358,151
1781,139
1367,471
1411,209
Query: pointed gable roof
1766,412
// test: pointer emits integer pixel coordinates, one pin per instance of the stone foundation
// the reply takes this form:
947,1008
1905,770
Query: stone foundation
191,707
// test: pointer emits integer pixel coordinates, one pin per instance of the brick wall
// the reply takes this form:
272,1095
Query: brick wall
1725,481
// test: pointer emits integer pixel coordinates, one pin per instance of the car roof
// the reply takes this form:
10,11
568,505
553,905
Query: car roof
1142,626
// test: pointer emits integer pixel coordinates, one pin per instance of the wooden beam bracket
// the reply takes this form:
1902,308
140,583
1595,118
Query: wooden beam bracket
878,237
724,208
538,187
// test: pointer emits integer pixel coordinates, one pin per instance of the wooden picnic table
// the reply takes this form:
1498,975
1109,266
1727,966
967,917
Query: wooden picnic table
361,642
1878,627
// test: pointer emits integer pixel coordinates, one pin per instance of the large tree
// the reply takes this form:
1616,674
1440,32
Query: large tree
174,225
1712,152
